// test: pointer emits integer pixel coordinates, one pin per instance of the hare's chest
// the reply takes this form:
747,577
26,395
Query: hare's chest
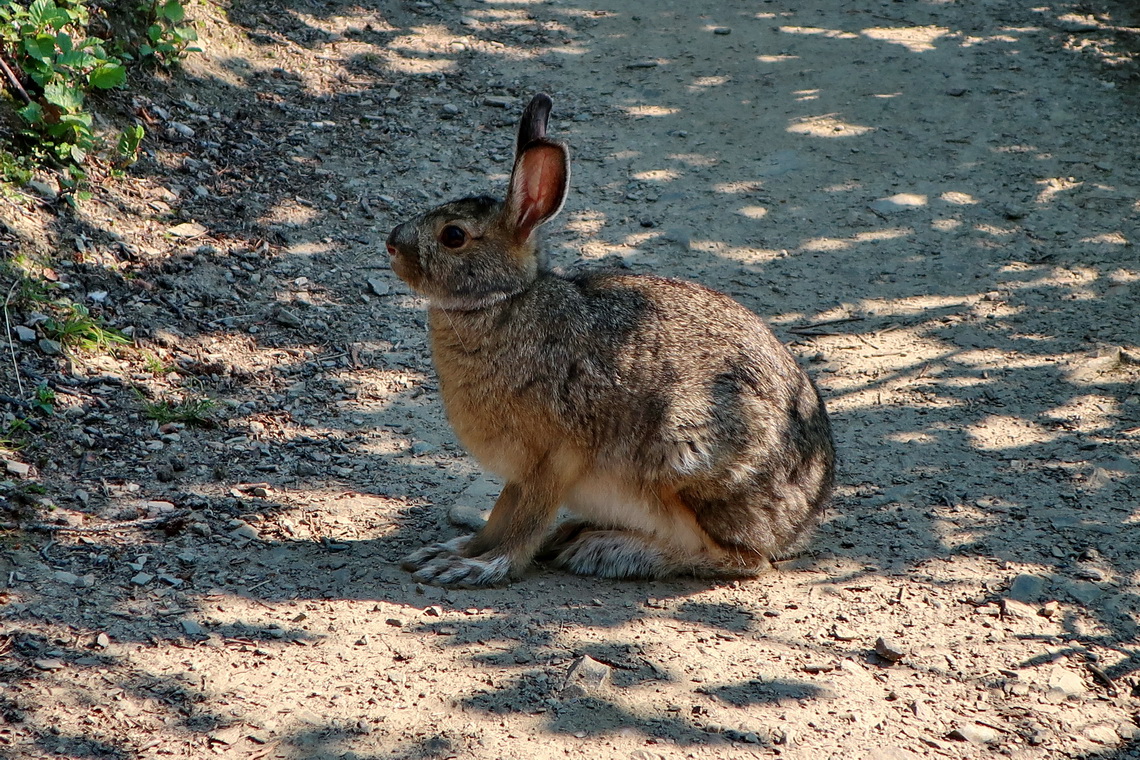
490,420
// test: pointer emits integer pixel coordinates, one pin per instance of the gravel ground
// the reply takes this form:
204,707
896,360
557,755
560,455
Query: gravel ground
934,203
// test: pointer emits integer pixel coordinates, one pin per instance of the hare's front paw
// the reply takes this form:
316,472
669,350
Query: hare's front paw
466,572
421,557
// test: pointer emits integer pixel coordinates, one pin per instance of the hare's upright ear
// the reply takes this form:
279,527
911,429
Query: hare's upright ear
541,175
532,125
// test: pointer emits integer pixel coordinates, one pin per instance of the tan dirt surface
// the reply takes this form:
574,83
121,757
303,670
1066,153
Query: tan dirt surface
936,204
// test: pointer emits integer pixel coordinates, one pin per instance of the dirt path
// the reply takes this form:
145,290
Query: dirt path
936,204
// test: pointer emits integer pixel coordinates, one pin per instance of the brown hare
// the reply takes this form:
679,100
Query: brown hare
667,417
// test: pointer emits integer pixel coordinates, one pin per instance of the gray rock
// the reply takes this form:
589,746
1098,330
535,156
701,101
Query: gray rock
1083,592
25,334
379,287
586,676
62,576
1064,684
1016,609
975,733
188,230
141,579
1027,588
51,347
283,316
245,530
191,627
19,469
497,101
889,650
466,516
43,189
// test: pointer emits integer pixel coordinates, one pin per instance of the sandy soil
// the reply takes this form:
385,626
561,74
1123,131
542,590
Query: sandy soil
934,203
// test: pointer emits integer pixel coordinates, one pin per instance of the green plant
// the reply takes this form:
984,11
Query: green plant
74,327
52,48
45,399
130,140
16,426
168,38
190,411
52,61
154,365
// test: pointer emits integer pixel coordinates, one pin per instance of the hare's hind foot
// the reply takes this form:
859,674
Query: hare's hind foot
621,554
443,564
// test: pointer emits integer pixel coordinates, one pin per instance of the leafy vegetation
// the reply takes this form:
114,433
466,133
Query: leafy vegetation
52,61
74,327
189,411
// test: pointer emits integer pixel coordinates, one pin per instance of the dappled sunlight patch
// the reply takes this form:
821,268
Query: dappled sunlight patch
838,244
742,254
657,175
886,95
816,31
693,159
995,231
644,111
826,125
700,84
1093,411
739,187
946,225
1000,432
753,212
804,95
916,39
776,58
586,223
641,238
1108,238
958,198
1054,186
290,212
822,244
911,436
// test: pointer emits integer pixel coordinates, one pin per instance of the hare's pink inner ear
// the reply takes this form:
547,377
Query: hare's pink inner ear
538,186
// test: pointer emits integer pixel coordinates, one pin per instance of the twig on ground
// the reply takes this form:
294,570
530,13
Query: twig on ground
8,335
14,82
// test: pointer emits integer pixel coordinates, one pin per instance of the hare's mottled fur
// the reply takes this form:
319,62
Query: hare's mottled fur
664,414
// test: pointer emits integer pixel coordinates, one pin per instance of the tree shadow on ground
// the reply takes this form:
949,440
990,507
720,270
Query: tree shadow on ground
962,316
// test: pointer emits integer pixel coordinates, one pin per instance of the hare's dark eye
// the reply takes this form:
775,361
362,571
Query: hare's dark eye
452,236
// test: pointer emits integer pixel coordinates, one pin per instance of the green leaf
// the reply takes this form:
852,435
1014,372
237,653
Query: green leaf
40,11
78,155
33,113
154,33
172,10
41,47
81,121
77,59
63,96
63,39
186,33
107,76
145,50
